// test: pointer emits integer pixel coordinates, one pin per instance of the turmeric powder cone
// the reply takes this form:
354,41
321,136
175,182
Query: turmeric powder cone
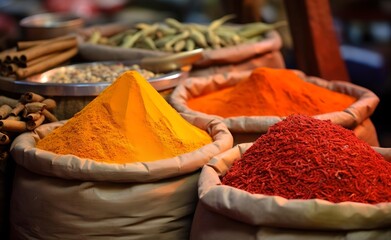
128,122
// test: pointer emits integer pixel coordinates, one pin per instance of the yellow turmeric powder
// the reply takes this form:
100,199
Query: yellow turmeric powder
271,92
128,122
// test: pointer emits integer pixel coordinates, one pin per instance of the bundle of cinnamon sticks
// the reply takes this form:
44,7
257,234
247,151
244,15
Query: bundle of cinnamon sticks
33,57
24,114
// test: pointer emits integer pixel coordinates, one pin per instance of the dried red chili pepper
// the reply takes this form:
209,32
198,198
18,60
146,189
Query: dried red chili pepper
305,158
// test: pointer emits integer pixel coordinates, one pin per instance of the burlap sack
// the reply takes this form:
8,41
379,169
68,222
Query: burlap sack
66,197
270,59
248,129
241,57
226,213
3,192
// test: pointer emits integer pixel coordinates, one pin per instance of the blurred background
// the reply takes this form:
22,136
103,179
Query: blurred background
363,29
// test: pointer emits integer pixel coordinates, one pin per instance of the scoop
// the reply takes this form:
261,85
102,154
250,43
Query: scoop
171,62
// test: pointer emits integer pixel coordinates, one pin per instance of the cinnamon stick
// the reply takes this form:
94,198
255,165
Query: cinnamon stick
9,101
50,104
8,59
44,49
5,53
49,116
16,110
39,59
22,45
5,110
24,113
3,70
13,126
46,64
16,60
33,116
15,118
12,67
31,125
4,139
3,157
35,107
29,97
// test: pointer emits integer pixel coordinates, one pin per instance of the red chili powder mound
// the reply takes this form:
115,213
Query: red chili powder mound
271,92
306,158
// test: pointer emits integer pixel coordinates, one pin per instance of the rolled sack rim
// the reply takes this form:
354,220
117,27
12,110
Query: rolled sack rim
359,111
237,53
276,211
350,117
25,154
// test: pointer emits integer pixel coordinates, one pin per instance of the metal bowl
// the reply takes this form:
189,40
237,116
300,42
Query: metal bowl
41,85
73,97
49,25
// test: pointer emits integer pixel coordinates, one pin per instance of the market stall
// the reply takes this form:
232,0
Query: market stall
140,131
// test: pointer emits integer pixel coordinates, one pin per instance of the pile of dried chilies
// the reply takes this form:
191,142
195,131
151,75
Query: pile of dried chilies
33,57
21,115
306,158
271,92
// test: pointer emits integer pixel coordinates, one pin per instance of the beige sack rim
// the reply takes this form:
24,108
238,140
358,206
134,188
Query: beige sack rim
275,211
351,117
47,163
238,53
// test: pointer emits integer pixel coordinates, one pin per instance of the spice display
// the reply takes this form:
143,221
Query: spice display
305,158
271,92
175,36
33,57
94,73
128,122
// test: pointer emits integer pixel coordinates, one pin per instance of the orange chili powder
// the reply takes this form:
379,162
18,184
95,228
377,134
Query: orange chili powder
271,92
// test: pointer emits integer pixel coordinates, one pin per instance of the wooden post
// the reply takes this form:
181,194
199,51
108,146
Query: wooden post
245,10
314,40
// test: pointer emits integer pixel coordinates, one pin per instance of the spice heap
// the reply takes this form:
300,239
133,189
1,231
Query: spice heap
33,57
128,122
306,158
21,115
271,92
97,72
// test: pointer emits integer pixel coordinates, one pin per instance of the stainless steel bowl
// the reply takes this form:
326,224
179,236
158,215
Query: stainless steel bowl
73,97
40,84
49,25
